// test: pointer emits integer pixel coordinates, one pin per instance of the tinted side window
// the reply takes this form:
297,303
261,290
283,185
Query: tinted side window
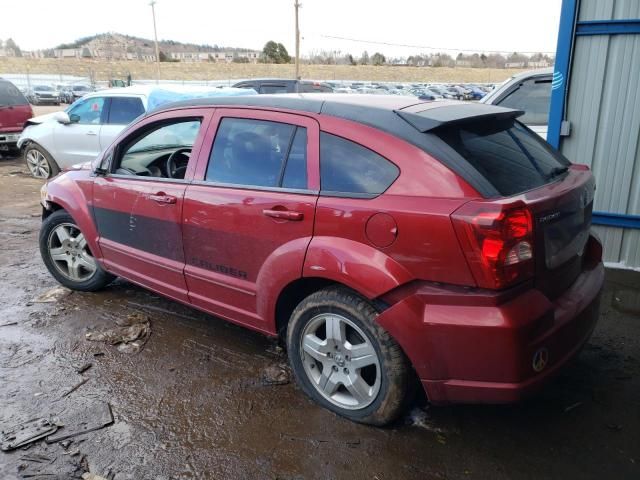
87,111
509,156
347,167
253,152
534,97
124,110
10,95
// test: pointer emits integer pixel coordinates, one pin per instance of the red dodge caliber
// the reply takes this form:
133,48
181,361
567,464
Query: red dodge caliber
382,238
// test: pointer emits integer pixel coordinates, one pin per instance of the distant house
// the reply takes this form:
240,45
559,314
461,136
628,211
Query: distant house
464,63
515,65
7,52
538,64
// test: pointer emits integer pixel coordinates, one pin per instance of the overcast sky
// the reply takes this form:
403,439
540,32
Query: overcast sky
503,25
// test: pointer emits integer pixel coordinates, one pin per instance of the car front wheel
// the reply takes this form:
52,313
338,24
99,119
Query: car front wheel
39,162
67,256
344,360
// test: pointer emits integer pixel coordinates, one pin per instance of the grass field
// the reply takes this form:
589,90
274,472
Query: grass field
104,70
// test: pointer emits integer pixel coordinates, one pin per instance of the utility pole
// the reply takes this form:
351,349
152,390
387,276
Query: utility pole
297,6
155,35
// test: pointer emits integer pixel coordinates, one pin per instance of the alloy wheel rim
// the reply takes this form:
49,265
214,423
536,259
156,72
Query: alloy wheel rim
37,163
70,253
340,361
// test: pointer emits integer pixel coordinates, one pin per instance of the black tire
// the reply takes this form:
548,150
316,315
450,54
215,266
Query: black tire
98,280
52,167
394,368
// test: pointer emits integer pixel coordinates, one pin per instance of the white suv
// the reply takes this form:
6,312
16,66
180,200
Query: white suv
78,134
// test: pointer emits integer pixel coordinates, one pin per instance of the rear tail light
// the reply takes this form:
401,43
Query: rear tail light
497,241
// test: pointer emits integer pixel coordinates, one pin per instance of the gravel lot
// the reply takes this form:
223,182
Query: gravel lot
198,400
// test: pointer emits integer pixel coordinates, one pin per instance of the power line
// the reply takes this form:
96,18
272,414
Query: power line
423,47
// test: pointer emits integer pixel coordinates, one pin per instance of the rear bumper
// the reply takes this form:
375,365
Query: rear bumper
10,137
480,347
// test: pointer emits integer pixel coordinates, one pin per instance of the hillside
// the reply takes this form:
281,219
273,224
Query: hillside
101,70
137,43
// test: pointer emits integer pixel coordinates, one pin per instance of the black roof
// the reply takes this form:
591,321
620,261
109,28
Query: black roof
408,118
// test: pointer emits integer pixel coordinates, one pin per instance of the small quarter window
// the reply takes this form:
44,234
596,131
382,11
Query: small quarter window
349,168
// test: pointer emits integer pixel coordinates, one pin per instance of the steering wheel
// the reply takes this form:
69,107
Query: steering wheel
172,170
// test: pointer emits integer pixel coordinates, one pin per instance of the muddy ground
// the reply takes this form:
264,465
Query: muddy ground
194,404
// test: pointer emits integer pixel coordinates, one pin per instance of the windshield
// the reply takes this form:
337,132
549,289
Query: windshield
80,88
511,157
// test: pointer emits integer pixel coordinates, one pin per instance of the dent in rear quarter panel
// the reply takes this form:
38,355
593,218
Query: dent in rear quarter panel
73,191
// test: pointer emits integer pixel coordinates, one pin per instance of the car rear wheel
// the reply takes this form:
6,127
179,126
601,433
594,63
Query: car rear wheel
344,360
39,162
67,256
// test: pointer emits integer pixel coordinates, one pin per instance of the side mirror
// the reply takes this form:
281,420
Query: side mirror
102,164
62,117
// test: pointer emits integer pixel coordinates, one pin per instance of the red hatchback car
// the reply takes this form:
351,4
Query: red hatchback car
379,237
14,113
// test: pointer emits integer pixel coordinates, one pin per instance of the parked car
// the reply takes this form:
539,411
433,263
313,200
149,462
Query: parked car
476,93
44,94
280,85
14,113
529,92
71,93
440,90
378,236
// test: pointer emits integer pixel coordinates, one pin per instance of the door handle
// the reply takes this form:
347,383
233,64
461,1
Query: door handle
91,132
161,197
284,215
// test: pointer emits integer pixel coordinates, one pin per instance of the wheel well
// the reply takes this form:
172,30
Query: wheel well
292,295
53,207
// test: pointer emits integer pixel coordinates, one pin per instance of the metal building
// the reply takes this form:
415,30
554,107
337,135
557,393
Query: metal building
595,114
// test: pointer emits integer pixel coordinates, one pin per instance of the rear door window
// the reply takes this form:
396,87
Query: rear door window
534,98
511,157
347,168
10,95
259,153
124,110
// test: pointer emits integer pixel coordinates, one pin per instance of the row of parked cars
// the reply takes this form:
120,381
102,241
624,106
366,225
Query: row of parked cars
53,142
425,91
42,94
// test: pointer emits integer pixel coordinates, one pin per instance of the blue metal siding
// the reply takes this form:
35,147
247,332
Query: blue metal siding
602,105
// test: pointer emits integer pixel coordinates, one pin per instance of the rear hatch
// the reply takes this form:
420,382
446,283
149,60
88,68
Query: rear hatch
525,170
14,108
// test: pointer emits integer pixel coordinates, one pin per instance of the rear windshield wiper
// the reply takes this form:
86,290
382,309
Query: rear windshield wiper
555,171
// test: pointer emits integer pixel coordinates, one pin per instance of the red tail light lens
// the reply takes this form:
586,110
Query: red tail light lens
497,241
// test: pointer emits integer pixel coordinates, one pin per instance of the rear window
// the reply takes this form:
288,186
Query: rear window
124,110
347,168
511,157
273,89
10,95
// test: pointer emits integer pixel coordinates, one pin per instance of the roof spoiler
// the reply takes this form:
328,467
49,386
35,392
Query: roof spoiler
435,117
